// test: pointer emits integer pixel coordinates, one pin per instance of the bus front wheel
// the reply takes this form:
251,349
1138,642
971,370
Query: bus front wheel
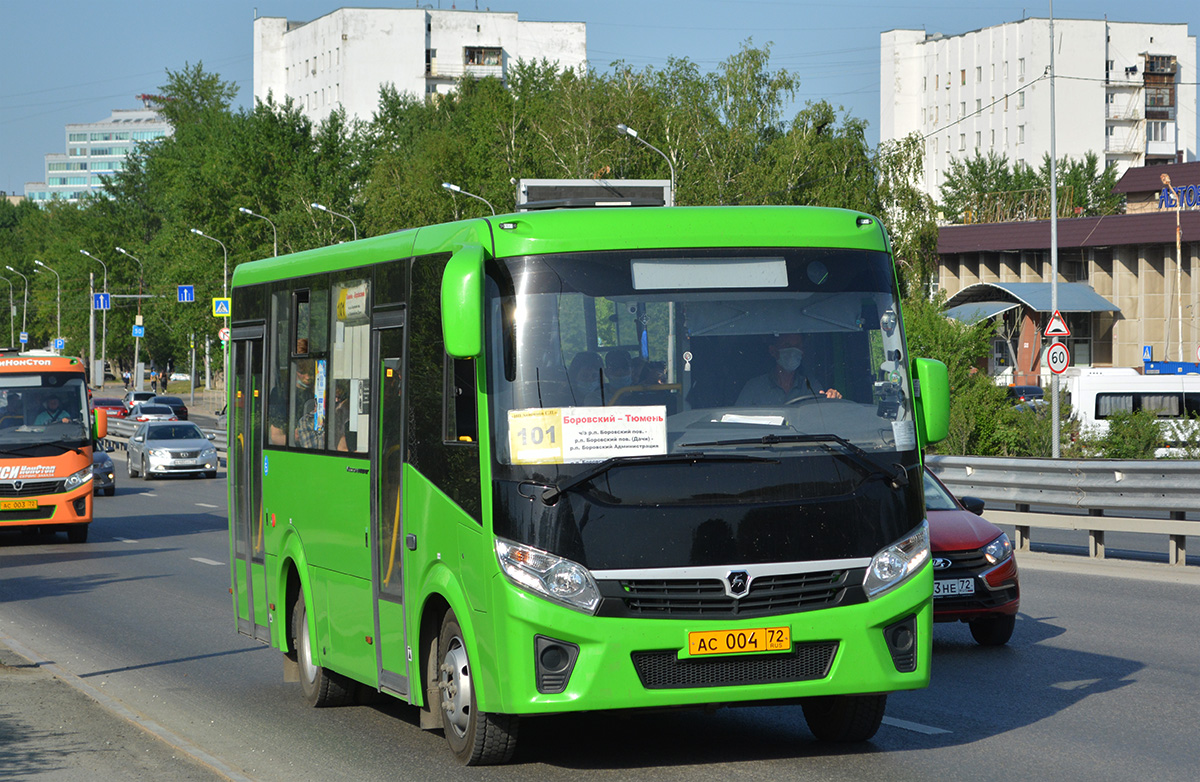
321,687
77,533
844,718
476,738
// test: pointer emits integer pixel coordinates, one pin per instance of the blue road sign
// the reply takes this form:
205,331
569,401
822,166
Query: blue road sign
221,307
60,343
139,331
24,337
1147,353
101,301
187,294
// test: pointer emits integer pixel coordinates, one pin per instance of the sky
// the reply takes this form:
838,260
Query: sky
65,61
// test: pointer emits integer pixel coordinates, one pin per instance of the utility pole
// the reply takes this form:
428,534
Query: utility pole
1056,428
92,328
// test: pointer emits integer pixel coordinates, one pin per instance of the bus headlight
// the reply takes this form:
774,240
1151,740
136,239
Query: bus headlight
554,578
78,479
893,565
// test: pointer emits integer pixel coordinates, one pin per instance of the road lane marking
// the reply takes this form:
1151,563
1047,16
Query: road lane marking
915,727
149,494
204,561
206,505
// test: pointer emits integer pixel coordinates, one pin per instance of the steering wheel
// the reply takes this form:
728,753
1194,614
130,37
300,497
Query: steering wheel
814,398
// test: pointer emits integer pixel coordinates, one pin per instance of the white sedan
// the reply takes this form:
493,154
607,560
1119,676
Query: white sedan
160,448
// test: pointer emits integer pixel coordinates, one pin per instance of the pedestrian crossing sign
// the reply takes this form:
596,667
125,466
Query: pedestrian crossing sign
221,308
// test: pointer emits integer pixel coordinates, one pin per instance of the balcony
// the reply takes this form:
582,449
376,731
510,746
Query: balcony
436,70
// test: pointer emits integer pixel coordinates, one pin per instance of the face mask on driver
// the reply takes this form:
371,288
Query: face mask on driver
790,358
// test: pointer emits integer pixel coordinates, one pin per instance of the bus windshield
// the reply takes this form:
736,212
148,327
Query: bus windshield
759,352
41,409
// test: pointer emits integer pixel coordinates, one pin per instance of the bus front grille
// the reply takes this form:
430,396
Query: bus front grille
767,595
29,488
663,670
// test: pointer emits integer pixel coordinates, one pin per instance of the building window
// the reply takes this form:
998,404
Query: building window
1020,134
962,108
937,81
978,105
978,74
1021,99
947,80
924,84
993,132
1021,68
962,76
978,139
1108,65
962,142
936,113
481,55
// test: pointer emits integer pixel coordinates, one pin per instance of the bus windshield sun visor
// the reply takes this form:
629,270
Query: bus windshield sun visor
857,455
551,495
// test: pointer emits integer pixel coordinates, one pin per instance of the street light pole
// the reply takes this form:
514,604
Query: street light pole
10,310
225,250
58,281
1166,180
456,189
633,134
137,341
25,301
339,214
103,321
274,232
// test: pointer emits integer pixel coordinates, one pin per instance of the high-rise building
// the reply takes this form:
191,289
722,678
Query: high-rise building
346,56
1124,90
95,149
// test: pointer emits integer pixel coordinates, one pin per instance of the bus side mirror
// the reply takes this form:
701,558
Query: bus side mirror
462,303
933,406
100,424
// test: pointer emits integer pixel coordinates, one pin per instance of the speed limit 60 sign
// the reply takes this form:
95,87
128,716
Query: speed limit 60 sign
1058,358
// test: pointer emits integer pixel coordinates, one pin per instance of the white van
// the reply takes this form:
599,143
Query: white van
1096,394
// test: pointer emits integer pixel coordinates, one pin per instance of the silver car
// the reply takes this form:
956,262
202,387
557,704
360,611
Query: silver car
160,448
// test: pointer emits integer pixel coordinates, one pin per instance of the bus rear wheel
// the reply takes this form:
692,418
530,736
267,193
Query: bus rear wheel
321,687
476,738
844,718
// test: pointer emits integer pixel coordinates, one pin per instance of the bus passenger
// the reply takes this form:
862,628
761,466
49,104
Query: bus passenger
584,376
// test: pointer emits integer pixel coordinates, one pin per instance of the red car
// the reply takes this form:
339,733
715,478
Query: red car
113,406
974,570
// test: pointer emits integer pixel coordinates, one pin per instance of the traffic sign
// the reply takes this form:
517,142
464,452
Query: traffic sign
1147,352
139,331
24,337
60,344
1057,326
223,334
1058,358
221,307
101,301
185,294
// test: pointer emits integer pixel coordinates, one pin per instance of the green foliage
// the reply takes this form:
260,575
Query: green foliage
968,177
724,133
1130,436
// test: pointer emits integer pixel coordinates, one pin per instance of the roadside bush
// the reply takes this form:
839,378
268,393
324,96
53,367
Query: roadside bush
1129,436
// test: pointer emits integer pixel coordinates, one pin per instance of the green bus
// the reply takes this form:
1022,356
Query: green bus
586,459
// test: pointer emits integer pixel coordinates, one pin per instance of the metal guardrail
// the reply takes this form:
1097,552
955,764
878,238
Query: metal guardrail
120,430
1089,490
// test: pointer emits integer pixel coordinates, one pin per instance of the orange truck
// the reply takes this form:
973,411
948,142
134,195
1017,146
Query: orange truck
47,433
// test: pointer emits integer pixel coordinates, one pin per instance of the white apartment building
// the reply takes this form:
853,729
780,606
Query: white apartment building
344,57
94,149
1124,90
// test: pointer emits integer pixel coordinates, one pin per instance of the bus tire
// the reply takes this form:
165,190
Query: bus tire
844,718
992,630
321,687
77,533
475,737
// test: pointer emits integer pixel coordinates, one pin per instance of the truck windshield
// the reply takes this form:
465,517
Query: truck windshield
42,408
767,352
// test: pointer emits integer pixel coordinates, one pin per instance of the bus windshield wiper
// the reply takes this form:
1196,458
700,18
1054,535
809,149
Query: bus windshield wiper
554,492
857,455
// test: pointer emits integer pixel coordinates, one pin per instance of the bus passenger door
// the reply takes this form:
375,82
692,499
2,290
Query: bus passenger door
388,541
244,469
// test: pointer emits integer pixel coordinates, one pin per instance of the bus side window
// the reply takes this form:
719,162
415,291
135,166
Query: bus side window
461,416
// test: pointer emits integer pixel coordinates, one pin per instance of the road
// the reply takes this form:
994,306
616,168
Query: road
1100,682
